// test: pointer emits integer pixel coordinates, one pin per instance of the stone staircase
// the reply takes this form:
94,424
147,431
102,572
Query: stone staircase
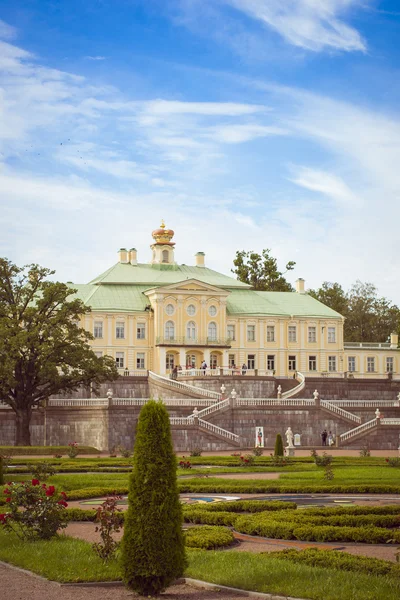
335,410
366,429
160,386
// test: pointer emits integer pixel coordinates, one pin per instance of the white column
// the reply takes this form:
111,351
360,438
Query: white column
160,368
182,357
207,353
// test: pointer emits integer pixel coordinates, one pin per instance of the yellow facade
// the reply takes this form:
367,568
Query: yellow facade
193,320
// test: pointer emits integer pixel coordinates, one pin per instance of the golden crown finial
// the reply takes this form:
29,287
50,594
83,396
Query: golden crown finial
162,224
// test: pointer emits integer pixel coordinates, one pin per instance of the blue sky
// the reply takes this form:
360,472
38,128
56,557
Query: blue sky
245,124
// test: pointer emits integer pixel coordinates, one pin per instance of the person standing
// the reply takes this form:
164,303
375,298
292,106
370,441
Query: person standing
244,369
324,435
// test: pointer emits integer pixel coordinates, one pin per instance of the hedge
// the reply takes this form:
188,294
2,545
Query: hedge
342,561
209,518
232,486
43,450
250,506
208,538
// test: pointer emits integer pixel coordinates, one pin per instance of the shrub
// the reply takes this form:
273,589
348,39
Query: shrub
197,515
153,552
42,450
184,464
324,460
328,473
280,461
278,445
72,450
365,451
107,517
251,506
393,462
43,510
258,451
208,537
43,470
125,452
196,452
246,461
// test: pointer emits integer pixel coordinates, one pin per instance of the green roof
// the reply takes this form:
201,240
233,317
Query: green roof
113,298
155,275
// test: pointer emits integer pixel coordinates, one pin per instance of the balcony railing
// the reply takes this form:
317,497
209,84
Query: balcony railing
377,345
188,341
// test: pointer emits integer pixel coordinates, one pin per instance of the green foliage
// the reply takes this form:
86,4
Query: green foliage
394,461
258,451
197,515
42,349
365,451
339,560
1,471
278,445
196,451
246,461
43,470
328,473
322,461
43,450
208,538
368,317
108,523
153,553
251,506
261,271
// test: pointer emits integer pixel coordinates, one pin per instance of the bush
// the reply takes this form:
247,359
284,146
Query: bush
251,506
258,451
125,452
72,449
393,462
324,460
43,450
365,451
196,452
107,517
43,510
246,461
208,538
153,552
278,445
43,471
184,464
209,518
280,461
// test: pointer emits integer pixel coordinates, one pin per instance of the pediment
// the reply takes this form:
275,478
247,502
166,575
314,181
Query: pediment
189,286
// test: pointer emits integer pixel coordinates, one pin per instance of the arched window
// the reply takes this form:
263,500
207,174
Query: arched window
213,361
165,256
169,330
212,331
191,330
170,361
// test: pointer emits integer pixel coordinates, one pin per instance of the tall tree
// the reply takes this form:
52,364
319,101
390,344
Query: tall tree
153,553
261,271
332,295
43,351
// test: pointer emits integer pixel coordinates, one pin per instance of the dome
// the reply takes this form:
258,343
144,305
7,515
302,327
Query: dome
163,235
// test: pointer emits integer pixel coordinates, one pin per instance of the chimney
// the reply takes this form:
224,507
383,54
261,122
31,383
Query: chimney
123,255
200,259
394,340
300,286
133,256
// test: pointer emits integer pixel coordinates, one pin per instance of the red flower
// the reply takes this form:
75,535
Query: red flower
44,486
3,518
7,491
8,499
62,503
63,494
387,460
35,482
50,490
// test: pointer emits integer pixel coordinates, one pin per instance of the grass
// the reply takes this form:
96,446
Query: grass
67,559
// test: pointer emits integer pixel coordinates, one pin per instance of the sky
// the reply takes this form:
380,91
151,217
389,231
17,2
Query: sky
244,124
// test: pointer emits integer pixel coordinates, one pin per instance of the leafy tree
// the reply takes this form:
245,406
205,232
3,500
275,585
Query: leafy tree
332,295
278,445
261,271
153,553
42,349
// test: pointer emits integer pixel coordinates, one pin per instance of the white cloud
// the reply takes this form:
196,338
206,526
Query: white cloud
325,183
7,32
311,24
95,57
174,107
236,134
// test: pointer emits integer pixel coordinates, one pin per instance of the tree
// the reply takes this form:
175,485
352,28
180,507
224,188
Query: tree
153,553
332,295
278,445
261,271
43,351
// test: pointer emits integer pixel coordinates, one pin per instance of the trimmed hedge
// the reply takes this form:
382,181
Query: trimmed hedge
43,450
209,518
250,506
333,559
228,486
96,492
208,538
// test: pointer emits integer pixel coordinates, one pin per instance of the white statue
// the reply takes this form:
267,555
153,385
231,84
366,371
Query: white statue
377,414
279,391
316,395
289,437
195,412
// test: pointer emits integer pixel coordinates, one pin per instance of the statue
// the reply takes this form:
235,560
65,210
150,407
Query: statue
377,414
316,395
279,395
195,413
289,437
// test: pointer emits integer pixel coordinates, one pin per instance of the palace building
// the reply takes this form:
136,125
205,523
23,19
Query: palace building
158,315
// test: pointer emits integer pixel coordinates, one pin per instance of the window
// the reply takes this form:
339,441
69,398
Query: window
98,353
191,361
292,363
270,333
251,333
140,360
120,330
312,335
312,363
292,333
212,332
251,361
165,256
331,335
389,364
213,361
231,361
351,364
271,362
169,330
119,360
331,363
98,329
141,331
370,364
169,361
191,310
212,311
191,330
231,332
169,309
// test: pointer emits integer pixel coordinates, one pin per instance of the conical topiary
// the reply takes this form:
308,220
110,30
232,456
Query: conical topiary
278,445
153,553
